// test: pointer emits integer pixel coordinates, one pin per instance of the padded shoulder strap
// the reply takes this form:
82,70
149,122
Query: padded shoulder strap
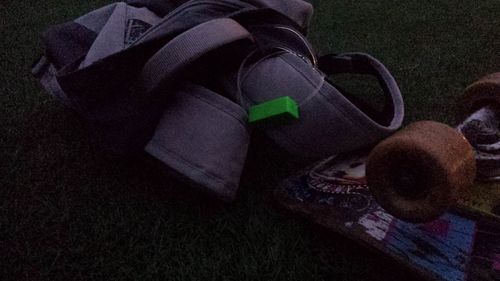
189,46
361,63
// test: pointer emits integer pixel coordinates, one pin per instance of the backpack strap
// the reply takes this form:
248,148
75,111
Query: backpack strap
361,63
188,47
201,135
330,121
204,137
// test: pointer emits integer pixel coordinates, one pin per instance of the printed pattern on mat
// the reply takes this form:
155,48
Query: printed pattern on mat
442,246
485,260
377,224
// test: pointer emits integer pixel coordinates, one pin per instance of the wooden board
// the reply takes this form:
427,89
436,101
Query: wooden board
454,247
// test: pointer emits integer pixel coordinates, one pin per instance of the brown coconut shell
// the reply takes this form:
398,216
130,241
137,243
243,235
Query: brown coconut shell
484,92
421,171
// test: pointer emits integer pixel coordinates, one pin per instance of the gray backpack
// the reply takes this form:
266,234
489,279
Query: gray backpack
177,79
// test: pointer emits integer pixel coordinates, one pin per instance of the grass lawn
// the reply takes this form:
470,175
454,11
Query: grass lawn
68,211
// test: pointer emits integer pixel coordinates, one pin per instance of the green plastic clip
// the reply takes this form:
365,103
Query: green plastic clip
277,111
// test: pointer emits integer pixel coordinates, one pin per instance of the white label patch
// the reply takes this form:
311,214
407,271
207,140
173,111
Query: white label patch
377,224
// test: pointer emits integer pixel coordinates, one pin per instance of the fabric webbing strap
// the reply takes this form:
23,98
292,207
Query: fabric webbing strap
361,63
186,48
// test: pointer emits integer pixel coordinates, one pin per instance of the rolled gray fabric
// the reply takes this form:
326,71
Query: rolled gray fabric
205,137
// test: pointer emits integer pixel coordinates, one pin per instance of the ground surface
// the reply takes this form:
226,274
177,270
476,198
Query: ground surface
70,212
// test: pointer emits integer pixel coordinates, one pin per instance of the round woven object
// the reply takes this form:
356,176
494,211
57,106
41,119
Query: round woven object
420,171
484,92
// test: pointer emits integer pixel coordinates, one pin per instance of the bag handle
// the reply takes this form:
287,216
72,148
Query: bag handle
361,63
186,48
